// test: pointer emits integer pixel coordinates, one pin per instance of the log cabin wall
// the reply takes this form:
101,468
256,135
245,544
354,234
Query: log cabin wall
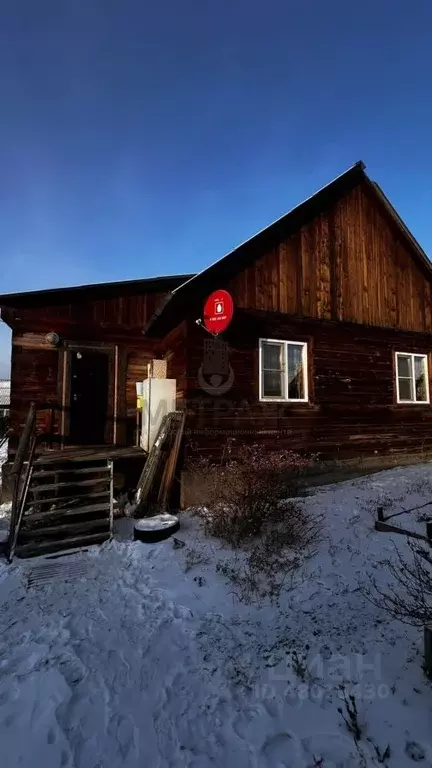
113,325
352,409
352,285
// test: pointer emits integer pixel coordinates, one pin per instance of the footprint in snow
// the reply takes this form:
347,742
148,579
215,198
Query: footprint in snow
9,720
181,612
333,749
281,749
271,707
419,753
240,727
10,694
124,731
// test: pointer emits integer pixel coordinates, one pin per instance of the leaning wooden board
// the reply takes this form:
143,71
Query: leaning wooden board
170,466
154,475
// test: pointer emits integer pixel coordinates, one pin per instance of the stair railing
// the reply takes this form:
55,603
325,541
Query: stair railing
21,476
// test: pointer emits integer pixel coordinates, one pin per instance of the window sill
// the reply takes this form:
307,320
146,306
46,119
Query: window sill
282,400
412,402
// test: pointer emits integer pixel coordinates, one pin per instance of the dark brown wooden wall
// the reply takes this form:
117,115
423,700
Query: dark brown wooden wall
350,264
121,313
352,409
173,349
36,366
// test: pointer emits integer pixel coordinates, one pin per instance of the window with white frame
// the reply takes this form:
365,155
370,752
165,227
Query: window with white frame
412,381
283,370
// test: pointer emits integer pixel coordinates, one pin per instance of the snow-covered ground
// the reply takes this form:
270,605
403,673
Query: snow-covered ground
137,655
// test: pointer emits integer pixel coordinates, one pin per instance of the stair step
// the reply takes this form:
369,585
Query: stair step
63,531
37,516
45,547
78,483
43,462
61,499
71,471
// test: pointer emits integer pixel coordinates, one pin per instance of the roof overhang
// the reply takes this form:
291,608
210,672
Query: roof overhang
57,296
188,296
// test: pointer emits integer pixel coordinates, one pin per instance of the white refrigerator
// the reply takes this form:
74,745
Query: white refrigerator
158,399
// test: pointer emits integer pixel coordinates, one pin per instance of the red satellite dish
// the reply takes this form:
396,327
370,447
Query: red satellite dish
218,311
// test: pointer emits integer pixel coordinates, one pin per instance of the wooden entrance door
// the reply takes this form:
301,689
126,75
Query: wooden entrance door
89,376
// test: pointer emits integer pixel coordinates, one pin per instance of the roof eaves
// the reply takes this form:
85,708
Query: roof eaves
401,225
95,286
156,319
359,165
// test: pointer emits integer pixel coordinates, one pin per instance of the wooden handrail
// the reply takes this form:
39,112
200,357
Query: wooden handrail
13,535
25,452
24,440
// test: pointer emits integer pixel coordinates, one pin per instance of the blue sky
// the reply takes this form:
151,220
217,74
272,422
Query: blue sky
139,138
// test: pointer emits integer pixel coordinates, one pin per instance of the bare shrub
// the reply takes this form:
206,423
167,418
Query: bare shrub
266,567
350,715
248,509
244,492
409,596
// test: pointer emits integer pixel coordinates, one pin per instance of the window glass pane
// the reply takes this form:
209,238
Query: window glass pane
406,389
272,356
272,384
295,372
404,365
420,379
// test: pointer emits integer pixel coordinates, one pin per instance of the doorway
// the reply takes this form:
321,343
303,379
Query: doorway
89,381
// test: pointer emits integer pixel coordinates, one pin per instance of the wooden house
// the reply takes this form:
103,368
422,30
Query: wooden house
330,345
329,349
77,354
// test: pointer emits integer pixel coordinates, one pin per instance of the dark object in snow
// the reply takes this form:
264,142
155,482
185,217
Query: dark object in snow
387,528
156,528
178,543
200,580
415,751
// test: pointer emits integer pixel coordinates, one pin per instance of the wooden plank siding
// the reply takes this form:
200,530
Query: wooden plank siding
173,350
118,313
352,409
114,325
348,283
347,264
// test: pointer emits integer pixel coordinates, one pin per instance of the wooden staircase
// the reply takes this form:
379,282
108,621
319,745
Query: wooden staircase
57,504
67,505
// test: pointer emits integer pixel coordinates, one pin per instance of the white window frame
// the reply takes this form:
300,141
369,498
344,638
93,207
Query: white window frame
285,399
412,355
